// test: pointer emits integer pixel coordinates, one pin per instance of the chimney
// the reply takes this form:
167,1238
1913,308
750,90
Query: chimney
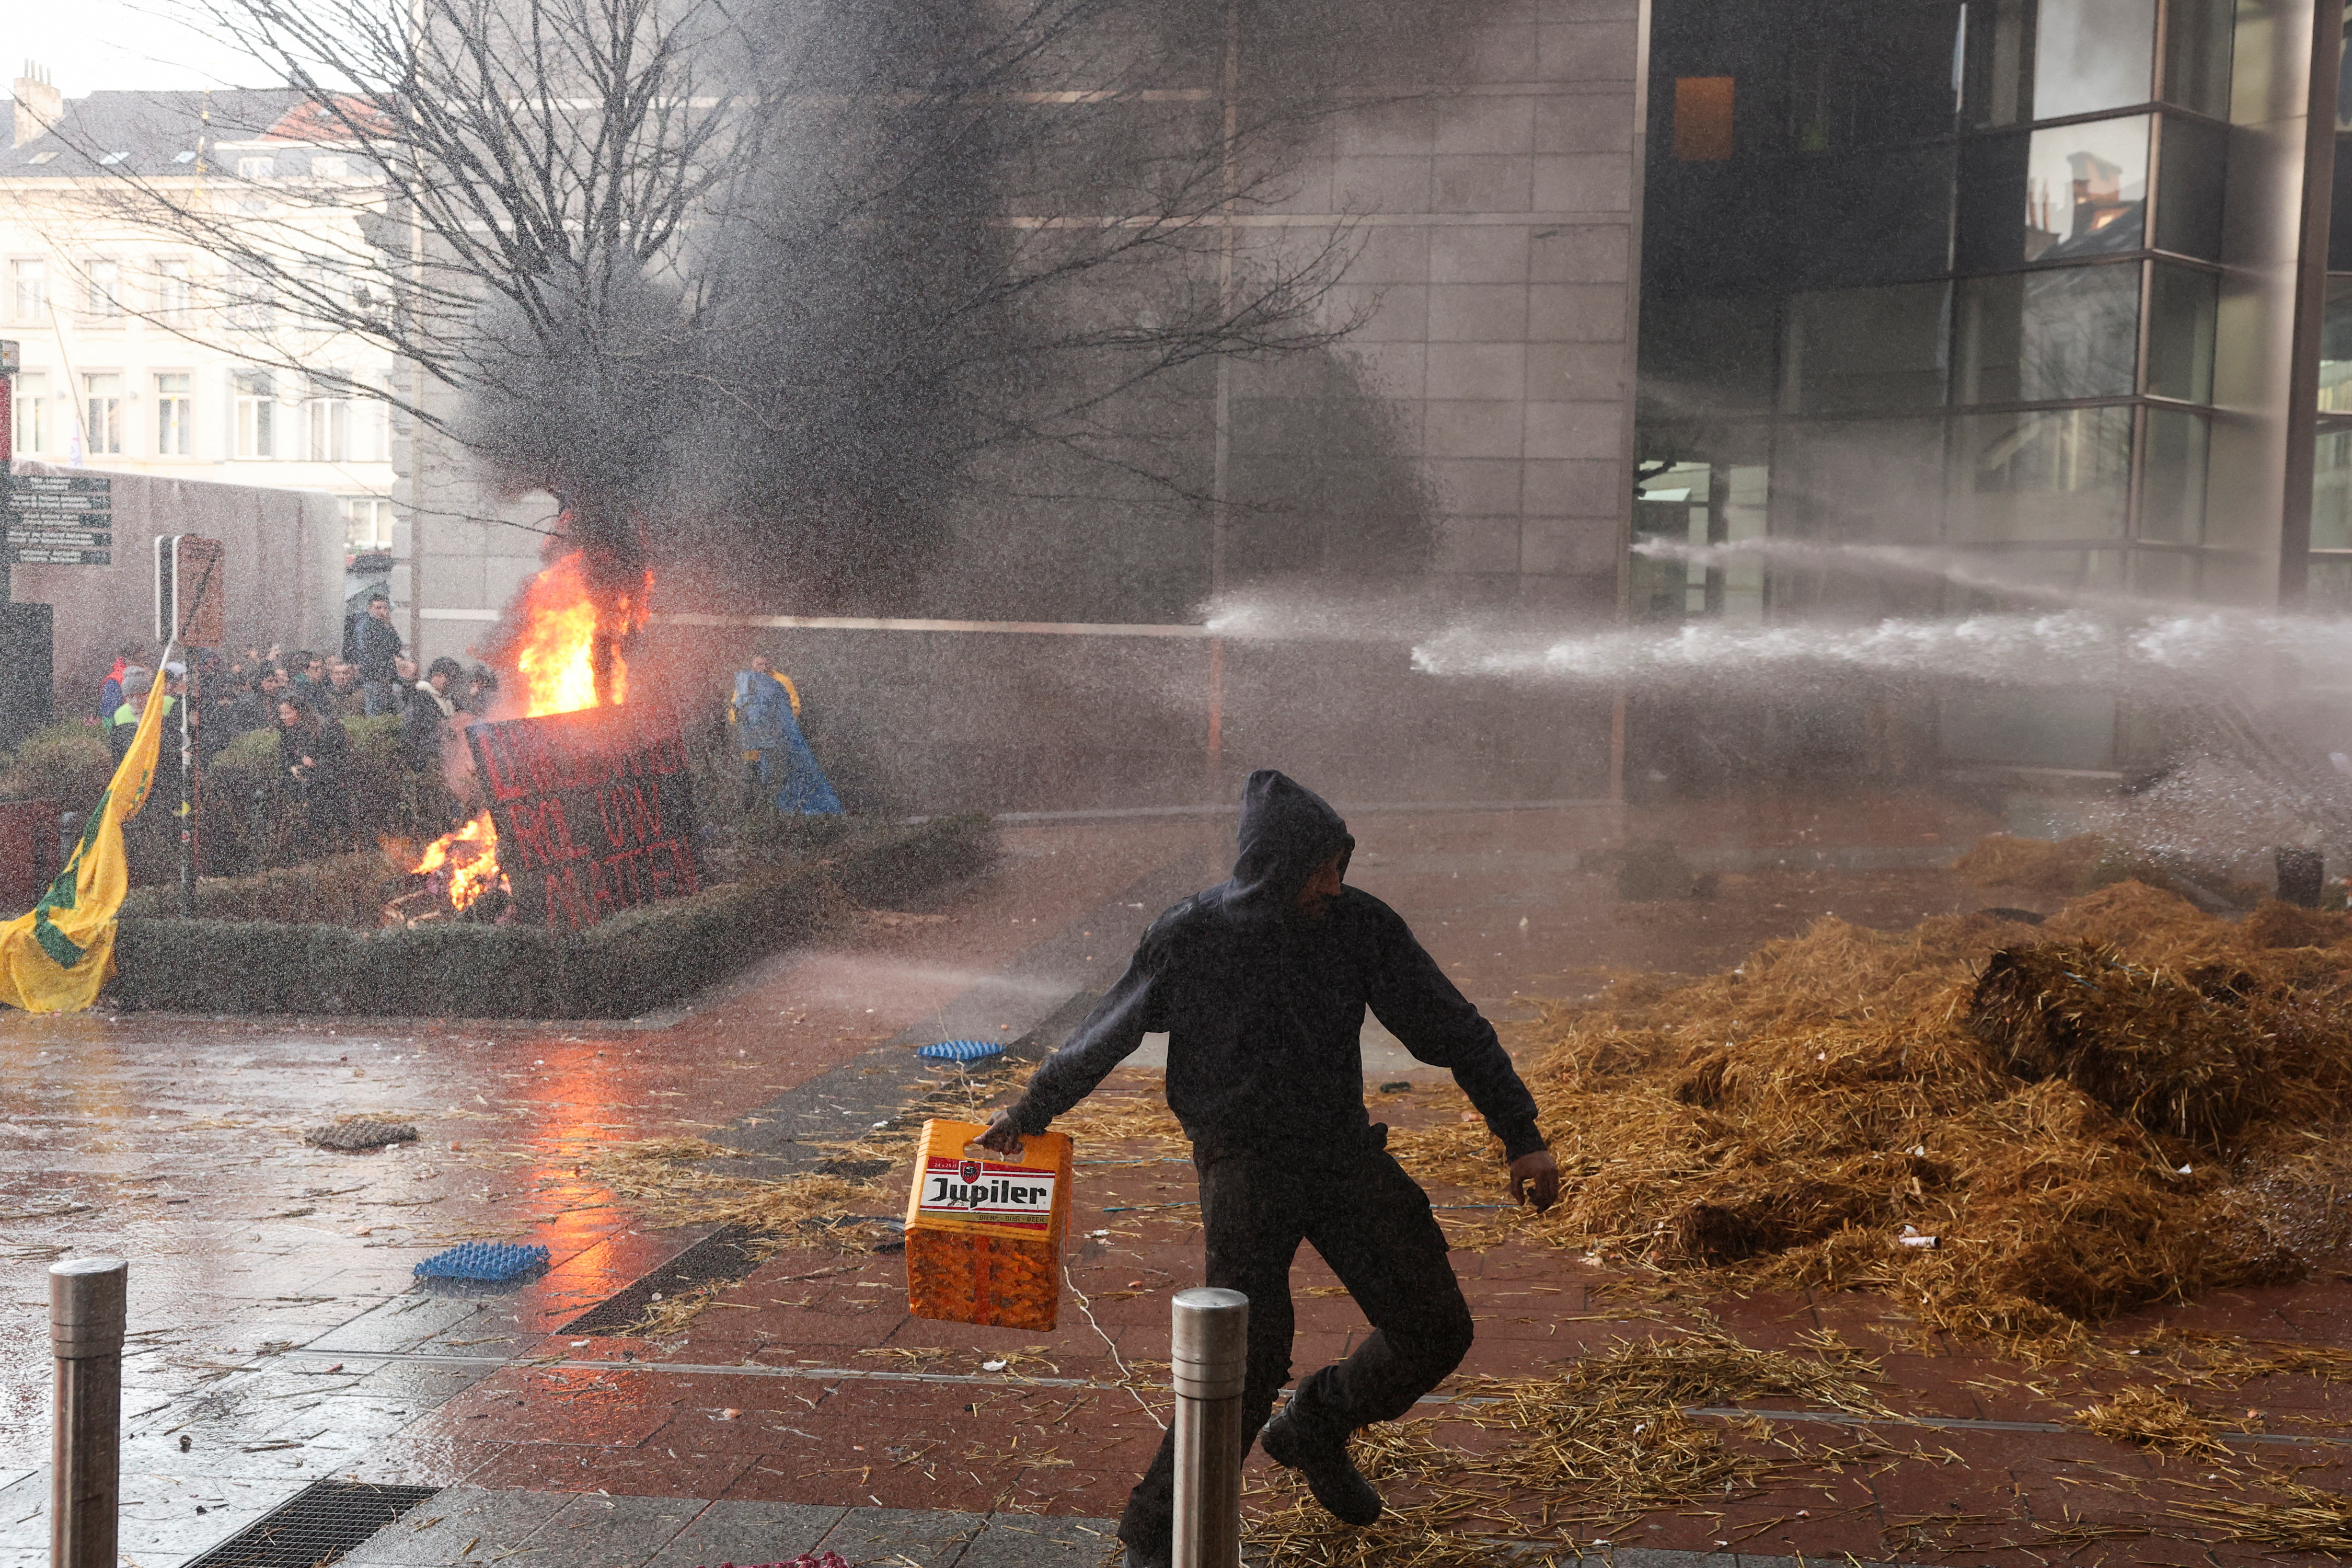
39,105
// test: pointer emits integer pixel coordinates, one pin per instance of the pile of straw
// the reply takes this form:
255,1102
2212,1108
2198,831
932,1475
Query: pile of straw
2133,1101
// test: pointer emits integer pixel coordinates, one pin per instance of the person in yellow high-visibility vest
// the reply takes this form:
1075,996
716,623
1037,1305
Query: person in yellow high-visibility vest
57,958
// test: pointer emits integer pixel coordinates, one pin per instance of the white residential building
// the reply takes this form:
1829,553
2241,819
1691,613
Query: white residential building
142,354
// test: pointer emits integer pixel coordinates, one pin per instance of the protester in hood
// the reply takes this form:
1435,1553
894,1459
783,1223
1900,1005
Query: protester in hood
1261,984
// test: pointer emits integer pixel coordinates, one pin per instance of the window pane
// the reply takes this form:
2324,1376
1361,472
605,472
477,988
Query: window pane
1702,122
2172,485
2189,195
2182,305
2336,348
30,290
2086,189
103,412
2037,337
1997,90
1707,356
172,290
1867,479
2060,474
2331,491
174,424
2164,574
32,411
1987,236
2090,54
1865,350
2197,39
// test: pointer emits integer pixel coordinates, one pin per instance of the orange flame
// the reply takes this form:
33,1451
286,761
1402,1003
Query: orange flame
555,672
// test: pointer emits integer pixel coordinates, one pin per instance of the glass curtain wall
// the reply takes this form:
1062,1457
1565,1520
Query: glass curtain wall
2331,480
1935,273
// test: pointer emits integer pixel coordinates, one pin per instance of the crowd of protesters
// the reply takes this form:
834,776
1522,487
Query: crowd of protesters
305,697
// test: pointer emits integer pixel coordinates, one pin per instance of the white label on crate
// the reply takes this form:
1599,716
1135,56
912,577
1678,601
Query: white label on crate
1001,1195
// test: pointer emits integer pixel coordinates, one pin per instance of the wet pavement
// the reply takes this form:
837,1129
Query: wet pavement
277,1340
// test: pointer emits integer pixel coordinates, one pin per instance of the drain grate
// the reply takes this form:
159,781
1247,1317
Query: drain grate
724,1256
313,1527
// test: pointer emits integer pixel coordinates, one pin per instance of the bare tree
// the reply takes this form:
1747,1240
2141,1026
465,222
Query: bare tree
780,270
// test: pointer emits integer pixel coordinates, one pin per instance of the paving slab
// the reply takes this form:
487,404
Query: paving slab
737,1531
918,1537
464,1522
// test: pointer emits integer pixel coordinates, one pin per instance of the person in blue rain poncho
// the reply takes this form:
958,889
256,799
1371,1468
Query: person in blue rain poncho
777,765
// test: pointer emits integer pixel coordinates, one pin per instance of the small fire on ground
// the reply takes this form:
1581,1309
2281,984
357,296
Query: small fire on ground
555,672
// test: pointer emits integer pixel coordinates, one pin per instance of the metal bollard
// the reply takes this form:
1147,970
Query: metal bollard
88,1296
1210,1349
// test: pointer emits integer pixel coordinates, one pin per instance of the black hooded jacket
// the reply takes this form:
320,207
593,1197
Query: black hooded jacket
1263,1006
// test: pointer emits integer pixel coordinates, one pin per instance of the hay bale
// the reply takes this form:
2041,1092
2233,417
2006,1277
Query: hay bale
2143,1043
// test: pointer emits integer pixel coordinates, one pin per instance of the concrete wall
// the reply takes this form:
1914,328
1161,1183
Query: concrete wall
1498,226
285,573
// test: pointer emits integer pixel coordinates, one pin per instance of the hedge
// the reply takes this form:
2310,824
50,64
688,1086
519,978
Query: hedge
650,957
348,890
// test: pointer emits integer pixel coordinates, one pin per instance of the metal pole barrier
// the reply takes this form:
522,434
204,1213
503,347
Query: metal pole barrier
1209,1347
86,1301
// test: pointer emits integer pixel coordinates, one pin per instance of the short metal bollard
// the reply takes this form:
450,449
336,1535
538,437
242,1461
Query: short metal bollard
1210,1349
87,1298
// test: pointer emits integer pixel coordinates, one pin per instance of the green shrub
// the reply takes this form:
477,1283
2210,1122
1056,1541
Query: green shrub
640,960
343,890
67,763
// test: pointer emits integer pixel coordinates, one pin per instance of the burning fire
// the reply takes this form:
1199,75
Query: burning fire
472,856
555,657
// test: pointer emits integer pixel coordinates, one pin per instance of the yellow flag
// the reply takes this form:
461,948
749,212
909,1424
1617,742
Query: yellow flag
58,959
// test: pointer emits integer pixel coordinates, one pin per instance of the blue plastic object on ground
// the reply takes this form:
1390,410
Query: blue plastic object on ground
960,1050
482,1260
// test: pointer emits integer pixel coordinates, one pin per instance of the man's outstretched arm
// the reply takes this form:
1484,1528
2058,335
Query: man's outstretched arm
1109,1036
1427,1013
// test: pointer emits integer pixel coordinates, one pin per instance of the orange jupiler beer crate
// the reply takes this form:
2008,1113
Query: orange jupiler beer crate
984,1233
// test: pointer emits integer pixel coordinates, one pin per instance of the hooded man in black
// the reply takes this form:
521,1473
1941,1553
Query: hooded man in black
1261,984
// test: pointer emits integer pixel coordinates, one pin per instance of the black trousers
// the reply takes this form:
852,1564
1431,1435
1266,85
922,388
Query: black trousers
1371,1224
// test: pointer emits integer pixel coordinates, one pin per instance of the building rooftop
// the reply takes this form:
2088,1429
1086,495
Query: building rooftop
160,133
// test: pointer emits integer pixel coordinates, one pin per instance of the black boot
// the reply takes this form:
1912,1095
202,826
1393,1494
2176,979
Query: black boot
1148,1557
1320,1452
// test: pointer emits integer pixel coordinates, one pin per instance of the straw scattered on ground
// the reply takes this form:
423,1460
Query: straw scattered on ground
665,1178
2150,1418
1605,1441
2297,1517
2013,1131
